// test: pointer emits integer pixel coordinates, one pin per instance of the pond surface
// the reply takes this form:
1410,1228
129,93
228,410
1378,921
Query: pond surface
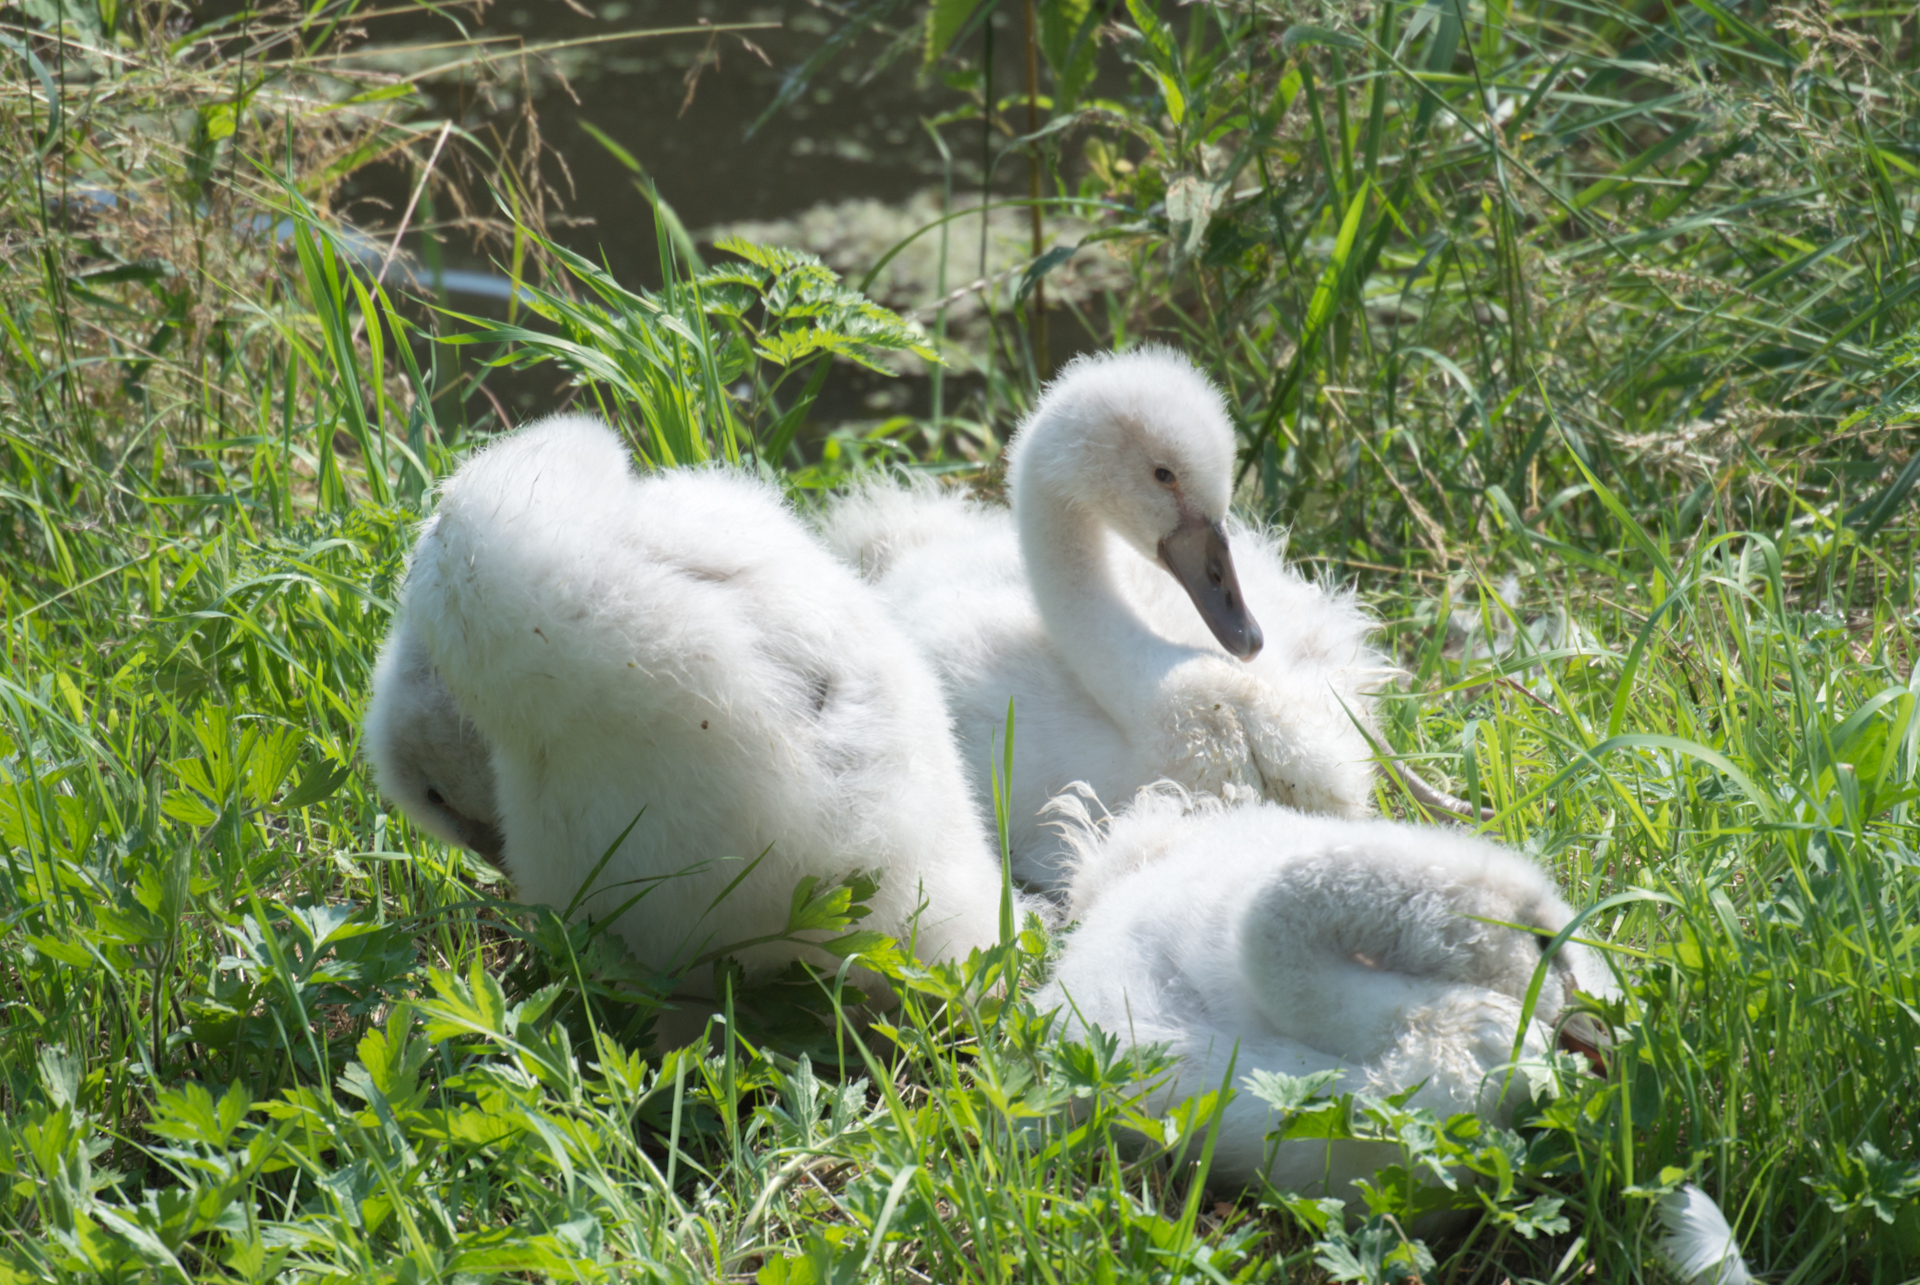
685,107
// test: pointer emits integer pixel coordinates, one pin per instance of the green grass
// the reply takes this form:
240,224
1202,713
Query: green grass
255,1027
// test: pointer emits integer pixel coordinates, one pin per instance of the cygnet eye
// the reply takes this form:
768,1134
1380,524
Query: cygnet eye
1164,476
1545,940
436,798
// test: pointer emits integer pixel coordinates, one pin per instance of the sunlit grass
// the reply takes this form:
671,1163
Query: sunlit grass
256,1027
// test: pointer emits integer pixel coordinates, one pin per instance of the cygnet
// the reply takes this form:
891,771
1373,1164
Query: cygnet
672,669
1140,632
1258,937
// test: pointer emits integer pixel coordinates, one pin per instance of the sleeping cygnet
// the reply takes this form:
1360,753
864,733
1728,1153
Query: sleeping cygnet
670,668
1256,936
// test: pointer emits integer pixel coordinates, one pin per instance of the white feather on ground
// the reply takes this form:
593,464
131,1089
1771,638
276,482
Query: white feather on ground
1699,1245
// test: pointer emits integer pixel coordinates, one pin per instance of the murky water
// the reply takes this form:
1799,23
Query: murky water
855,131
682,105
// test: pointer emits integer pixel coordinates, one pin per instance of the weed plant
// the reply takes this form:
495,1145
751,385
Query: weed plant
258,1028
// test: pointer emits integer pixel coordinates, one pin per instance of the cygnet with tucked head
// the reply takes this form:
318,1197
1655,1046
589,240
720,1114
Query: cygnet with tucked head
671,668
1140,631
427,756
1256,937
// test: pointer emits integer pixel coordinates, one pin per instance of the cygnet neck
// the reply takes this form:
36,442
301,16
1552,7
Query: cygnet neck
1304,957
1120,661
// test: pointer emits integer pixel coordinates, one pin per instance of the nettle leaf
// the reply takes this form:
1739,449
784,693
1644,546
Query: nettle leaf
189,1114
391,1061
1294,1092
316,784
473,1006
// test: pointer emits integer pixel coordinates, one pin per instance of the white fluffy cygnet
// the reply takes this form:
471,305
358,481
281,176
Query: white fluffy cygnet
1254,936
1139,630
679,649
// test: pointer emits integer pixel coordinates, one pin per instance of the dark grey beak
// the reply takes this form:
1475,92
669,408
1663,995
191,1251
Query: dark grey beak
485,840
1197,555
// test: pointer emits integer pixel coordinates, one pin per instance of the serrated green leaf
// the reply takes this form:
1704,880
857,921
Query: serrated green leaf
188,807
1067,41
474,1005
316,784
69,953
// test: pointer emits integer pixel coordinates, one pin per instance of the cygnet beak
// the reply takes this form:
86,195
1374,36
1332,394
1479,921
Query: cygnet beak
1579,1041
485,839
1197,555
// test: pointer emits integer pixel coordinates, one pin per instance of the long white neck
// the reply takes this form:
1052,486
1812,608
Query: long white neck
1122,663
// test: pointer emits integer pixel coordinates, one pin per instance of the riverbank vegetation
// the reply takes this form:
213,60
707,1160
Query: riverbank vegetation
1585,338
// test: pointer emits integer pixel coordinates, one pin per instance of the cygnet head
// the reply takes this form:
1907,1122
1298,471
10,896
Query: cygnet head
426,756
1417,911
1141,440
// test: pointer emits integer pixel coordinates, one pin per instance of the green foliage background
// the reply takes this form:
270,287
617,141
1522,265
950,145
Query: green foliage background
1617,300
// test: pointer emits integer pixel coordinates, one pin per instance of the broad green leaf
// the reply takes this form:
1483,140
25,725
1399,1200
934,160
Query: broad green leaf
316,784
945,21
1067,39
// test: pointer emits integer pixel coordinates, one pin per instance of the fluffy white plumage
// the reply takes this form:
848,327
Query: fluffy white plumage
681,643
427,757
1253,934
1699,1245
1120,476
